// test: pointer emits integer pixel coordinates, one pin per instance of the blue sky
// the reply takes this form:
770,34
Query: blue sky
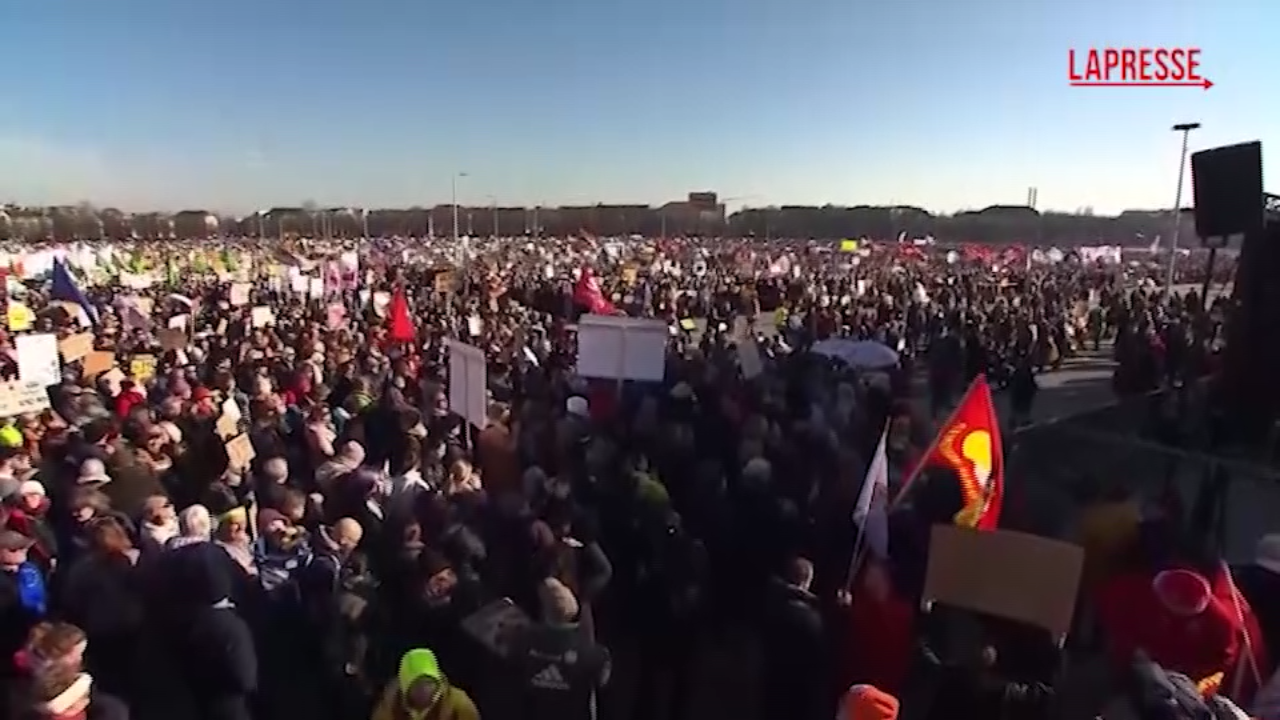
947,104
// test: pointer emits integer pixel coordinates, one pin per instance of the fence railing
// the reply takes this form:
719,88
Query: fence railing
1146,445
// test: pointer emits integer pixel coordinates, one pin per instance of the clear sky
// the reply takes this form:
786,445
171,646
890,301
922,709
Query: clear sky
233,105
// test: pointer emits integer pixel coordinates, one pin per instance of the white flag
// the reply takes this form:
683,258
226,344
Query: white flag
871,513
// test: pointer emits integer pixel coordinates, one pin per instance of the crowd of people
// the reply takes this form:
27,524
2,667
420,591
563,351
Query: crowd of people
237,488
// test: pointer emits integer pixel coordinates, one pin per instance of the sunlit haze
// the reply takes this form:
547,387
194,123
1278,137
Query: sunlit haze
945,104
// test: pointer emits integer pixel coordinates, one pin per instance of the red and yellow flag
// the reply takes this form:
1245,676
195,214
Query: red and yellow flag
969,443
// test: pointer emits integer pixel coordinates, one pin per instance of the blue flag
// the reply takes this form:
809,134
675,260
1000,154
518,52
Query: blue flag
65,288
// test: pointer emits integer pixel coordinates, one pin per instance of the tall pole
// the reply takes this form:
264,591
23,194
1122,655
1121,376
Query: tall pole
1185,129
453,185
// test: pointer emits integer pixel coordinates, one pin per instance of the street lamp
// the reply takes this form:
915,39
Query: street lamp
1185,129
493,206
453,191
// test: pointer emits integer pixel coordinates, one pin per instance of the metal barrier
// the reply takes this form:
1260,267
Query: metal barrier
1052,468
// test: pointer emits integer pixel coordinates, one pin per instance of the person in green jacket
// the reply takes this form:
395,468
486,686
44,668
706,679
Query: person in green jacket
420,691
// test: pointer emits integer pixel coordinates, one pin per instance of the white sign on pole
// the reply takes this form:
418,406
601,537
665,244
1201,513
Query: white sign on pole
468,383
622,348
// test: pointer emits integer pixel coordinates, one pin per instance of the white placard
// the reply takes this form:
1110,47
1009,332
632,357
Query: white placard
240,294
20,397
622,348
468,383
38,359
315,288
262,316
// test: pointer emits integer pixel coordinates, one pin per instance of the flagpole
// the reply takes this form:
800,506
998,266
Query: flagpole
859,544
933,446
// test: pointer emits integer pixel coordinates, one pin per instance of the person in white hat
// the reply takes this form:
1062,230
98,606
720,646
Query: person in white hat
1259,582
93,473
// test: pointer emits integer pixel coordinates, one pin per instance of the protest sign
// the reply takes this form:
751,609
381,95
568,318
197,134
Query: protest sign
239,452
622,348
468,381
112,379
74,347
445,282
142,368
172,338
1012,575
239,294
98,362
38,358
20,397
262,316
227,426
20,317
335,316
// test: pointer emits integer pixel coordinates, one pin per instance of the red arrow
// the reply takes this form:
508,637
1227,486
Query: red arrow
1205,83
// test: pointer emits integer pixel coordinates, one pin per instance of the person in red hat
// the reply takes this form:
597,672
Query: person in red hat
1175,617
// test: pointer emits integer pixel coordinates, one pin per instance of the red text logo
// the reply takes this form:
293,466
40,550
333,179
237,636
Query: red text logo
1136,67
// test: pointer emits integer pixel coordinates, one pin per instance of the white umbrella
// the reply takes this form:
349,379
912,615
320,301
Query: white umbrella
866,354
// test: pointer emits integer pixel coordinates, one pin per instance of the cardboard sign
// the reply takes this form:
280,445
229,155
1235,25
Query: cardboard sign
113,378
98,362
239,294
73,310
227,426
172,339
19,398
240,452
142,368
76,346
445,282
1012,575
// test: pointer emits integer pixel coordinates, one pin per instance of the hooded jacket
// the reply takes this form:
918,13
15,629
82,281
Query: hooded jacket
451,703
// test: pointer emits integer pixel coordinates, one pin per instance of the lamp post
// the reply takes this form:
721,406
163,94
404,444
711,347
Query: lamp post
493,208
1185,129
453,193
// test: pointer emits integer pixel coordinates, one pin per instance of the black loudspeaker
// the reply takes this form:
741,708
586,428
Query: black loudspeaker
1227,186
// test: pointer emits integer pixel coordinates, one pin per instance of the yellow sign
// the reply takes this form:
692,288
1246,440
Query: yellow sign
20,317
142,368
848,246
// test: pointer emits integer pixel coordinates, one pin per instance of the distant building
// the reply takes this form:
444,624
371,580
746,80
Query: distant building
196,225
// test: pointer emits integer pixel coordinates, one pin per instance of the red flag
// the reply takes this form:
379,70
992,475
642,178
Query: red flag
969,443
400,325
587,294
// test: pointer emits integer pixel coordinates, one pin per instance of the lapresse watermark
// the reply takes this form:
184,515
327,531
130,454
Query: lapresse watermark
1136,67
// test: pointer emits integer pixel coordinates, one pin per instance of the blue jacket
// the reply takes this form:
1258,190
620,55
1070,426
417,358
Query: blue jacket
31,589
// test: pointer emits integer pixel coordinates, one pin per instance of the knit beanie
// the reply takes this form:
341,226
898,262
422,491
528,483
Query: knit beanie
866,702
